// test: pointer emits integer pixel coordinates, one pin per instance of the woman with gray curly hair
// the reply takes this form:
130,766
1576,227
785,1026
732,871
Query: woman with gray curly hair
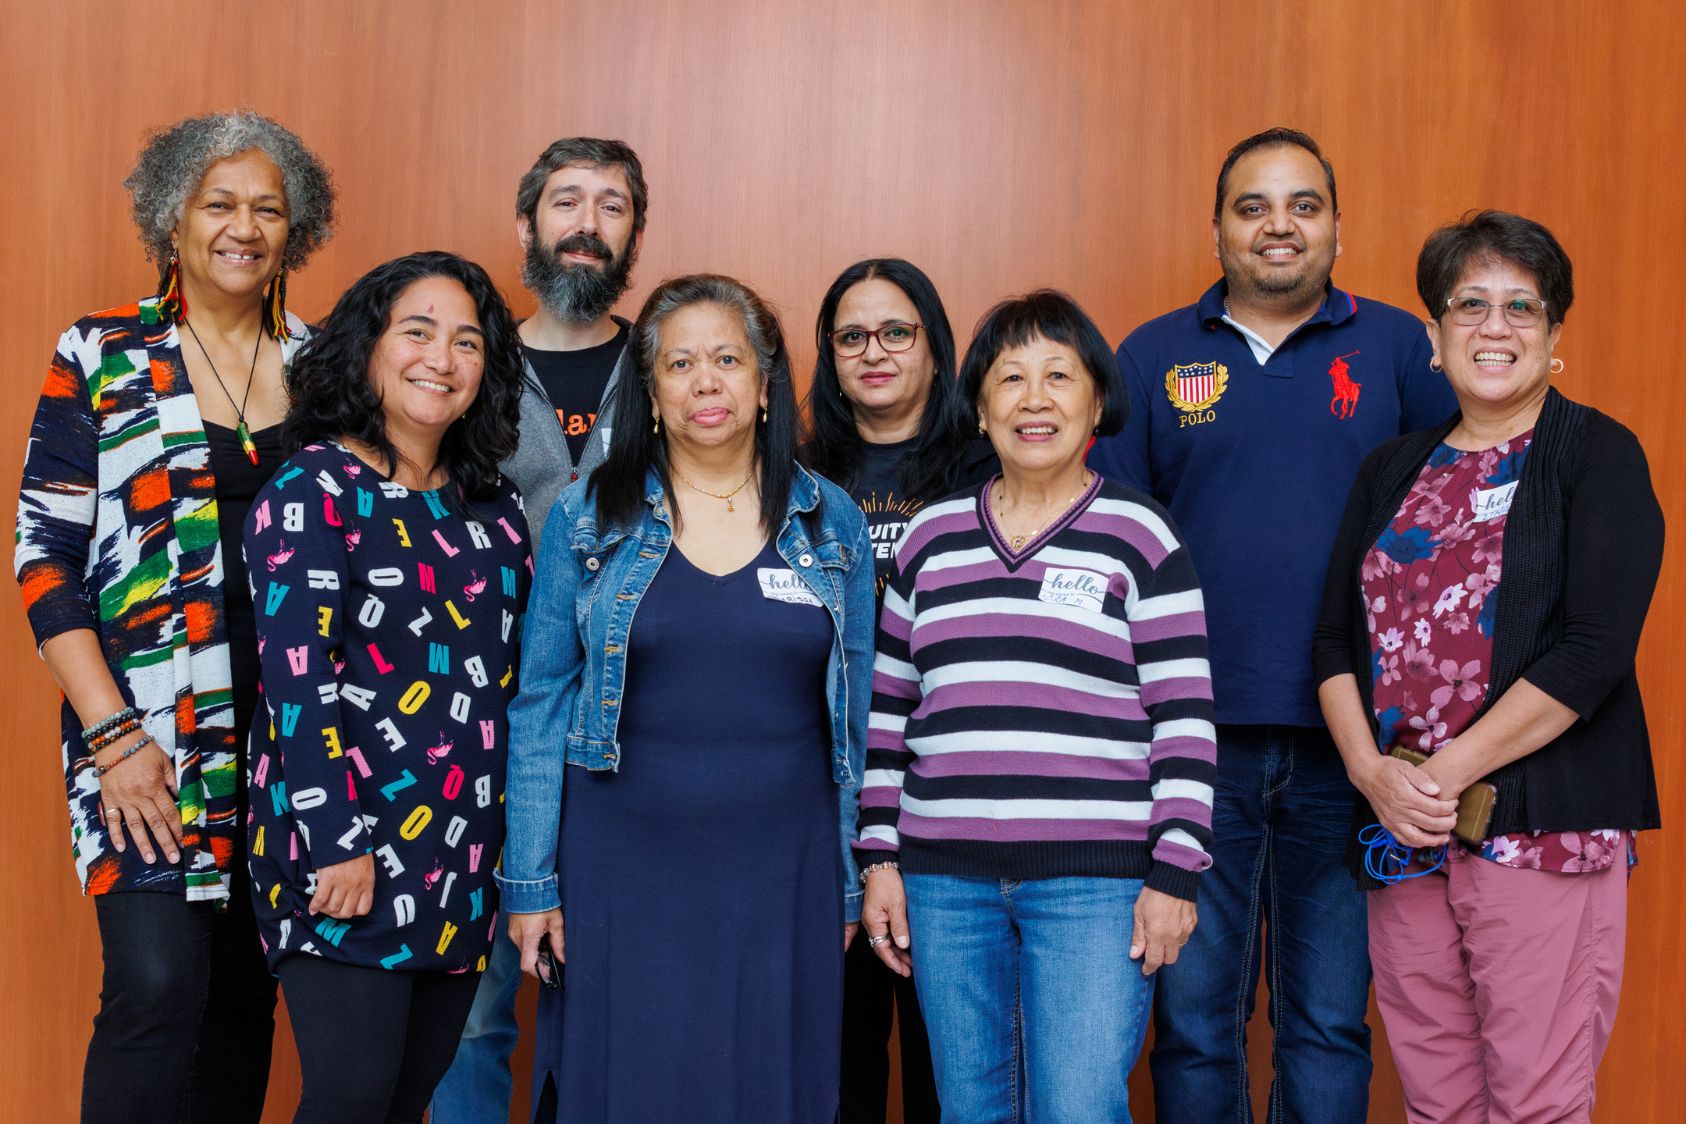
159,422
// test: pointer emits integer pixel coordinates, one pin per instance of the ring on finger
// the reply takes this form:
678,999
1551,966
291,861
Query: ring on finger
874,942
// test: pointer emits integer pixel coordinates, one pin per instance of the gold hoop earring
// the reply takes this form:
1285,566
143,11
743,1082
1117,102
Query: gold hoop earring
1434,363
1556,367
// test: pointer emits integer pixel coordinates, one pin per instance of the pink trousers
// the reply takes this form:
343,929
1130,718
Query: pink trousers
1498,988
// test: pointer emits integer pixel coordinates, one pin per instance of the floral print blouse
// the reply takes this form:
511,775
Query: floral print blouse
1431,592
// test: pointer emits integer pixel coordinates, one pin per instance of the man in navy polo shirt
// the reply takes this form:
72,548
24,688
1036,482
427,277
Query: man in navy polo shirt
1249,414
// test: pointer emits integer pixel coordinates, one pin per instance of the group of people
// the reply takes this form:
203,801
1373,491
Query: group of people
1012,697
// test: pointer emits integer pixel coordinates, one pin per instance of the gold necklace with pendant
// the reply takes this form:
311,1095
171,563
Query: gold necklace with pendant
1017,541
727,496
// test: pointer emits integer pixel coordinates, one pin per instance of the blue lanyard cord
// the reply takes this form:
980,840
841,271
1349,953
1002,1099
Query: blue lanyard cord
1386,859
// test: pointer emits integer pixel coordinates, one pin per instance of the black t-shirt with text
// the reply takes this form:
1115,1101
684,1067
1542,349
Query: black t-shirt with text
574,382
887,511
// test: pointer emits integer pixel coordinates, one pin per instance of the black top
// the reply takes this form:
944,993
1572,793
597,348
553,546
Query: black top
389,620
887,511
574,382
1583,546
238,483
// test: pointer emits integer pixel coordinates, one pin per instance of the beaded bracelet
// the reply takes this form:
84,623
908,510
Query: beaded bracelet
102,770
127,714
879,866
112,736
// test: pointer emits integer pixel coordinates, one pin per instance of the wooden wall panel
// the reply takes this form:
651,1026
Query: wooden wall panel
999,145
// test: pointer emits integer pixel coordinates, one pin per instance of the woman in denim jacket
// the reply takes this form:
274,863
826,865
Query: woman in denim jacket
700,652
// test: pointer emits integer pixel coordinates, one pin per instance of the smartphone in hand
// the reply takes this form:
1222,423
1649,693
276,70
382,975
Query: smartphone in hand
550,973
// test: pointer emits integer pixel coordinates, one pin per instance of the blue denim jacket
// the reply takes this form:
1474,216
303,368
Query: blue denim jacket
573,661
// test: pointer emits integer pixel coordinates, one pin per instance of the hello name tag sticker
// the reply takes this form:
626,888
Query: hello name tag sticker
1486,504
1083,589
784,585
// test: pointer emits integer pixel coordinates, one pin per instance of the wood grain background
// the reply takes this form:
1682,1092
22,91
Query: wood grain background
999,145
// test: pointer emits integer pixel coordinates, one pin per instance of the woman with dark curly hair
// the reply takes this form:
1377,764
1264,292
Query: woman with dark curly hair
159,422
391,564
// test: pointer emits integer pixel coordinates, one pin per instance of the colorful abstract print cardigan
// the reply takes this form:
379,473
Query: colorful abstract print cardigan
117,532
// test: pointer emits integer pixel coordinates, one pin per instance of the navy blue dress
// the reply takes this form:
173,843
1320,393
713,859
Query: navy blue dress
701,883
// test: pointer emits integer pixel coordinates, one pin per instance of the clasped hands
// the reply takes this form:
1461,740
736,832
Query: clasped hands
1409,801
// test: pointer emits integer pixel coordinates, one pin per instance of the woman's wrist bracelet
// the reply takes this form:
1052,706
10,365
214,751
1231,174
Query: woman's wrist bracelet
103,733
888,865
102,770
113,736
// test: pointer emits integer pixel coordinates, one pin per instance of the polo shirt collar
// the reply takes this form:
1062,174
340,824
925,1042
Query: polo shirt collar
1338,307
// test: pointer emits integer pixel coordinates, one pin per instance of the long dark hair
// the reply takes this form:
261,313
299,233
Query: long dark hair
619,481
332,396
835,448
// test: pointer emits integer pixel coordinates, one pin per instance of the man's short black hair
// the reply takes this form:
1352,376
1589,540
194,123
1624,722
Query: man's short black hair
1270,137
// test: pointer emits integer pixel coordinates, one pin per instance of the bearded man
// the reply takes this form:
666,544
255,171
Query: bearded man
579,213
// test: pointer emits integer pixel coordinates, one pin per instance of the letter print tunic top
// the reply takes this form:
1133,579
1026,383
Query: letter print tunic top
387,629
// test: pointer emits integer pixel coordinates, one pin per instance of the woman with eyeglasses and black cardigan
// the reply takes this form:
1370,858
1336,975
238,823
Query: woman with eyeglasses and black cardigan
1484,603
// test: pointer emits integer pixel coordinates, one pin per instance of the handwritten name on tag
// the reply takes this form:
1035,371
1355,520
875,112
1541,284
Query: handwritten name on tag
1486,504
784,585
1084,589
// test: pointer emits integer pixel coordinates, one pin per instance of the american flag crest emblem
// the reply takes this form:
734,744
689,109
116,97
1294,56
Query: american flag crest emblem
1196,386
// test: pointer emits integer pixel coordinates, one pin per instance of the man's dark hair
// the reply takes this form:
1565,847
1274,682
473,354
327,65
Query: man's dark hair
1270,137
332,397
1495,236
593,153
1052,315
835,449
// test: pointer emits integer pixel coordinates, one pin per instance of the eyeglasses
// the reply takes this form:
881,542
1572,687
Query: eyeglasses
1519,312
850,342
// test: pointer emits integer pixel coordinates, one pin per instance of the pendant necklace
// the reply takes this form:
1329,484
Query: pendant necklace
727,496
1017,541
240,431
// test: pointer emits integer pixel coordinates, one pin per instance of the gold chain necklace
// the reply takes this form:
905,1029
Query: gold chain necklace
1017,541
727,496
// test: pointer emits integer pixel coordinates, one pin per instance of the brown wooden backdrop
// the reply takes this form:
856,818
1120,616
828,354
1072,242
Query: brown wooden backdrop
999,145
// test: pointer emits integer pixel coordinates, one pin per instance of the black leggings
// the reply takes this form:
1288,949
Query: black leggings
187,1011
372,1042
873,998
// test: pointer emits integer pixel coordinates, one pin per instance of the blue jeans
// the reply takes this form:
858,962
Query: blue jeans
1278,896
1034,1008
477,1087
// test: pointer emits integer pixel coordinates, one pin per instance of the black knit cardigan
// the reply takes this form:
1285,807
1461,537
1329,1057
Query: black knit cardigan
1583,546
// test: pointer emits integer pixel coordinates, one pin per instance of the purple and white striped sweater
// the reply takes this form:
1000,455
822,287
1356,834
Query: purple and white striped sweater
1042,714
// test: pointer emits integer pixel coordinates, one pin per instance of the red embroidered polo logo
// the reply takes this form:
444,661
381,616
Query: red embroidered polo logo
1345,400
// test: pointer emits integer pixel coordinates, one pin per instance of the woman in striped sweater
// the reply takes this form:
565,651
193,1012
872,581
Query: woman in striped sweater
1037,803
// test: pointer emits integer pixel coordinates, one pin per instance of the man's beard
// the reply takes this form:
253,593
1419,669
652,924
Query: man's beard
575,292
